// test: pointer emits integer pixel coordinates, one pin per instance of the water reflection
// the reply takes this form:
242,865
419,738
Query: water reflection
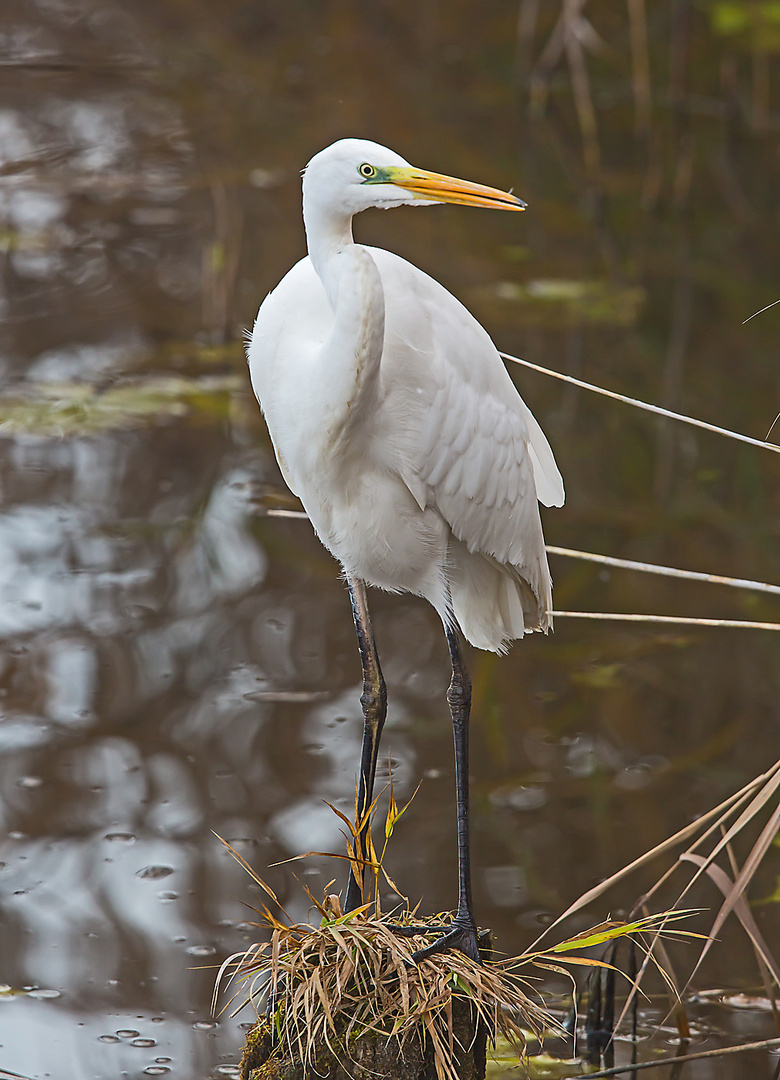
118,1042
174,664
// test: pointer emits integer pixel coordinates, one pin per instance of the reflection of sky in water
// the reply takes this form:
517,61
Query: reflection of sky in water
119,1043
331,735
96,133
121,889
85,362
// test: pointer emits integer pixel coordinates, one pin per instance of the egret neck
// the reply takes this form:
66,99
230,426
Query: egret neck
328,230
352,354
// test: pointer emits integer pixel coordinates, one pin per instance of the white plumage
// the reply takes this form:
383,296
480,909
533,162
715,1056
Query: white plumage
392,415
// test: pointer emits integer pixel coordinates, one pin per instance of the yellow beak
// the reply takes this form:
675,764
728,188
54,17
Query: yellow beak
437,188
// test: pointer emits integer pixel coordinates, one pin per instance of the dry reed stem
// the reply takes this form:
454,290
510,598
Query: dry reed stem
640,66
678,1059
658,409
666,571
586,556
668,620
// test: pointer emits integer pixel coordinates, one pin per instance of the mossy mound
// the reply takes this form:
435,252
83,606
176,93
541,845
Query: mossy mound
369,1055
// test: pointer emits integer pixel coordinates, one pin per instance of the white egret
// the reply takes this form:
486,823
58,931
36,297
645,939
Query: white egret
396,424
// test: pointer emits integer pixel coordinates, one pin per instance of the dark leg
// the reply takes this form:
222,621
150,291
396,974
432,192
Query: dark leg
462,933
374,703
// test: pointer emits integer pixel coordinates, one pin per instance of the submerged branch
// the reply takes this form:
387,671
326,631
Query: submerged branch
674,1059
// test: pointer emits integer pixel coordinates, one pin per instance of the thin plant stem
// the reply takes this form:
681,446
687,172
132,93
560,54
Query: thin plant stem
666,571
670,620
643,404
764,1044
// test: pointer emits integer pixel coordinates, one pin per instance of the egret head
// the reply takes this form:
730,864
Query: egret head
354,174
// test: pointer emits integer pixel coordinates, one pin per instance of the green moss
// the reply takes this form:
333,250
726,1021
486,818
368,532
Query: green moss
58,409
364,1054
256,1062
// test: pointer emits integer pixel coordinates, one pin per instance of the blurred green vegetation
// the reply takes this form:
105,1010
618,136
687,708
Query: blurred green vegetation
82,409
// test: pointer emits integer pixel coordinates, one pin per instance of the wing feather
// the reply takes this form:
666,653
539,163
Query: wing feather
475,447
483,483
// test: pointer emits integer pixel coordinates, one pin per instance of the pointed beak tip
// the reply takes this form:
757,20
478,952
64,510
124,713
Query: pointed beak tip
436,187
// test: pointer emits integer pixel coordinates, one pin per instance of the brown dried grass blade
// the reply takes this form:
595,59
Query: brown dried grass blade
255,877
770,784
735,901
772,776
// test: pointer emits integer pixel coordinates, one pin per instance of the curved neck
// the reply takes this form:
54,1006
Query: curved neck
350,358
328,232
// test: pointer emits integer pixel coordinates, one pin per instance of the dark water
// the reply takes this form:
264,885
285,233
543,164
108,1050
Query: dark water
175,664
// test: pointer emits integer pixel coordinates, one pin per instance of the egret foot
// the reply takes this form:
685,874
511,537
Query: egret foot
413,931
459,935
419,929
484,942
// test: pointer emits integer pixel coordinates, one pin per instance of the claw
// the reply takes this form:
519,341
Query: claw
423,928
460,936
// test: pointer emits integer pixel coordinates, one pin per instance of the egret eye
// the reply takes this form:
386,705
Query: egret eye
368,172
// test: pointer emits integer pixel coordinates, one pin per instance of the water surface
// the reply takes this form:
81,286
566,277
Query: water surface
174,664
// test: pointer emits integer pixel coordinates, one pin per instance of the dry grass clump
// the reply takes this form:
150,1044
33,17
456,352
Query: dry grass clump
325,986
352,976
348,982
329,989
